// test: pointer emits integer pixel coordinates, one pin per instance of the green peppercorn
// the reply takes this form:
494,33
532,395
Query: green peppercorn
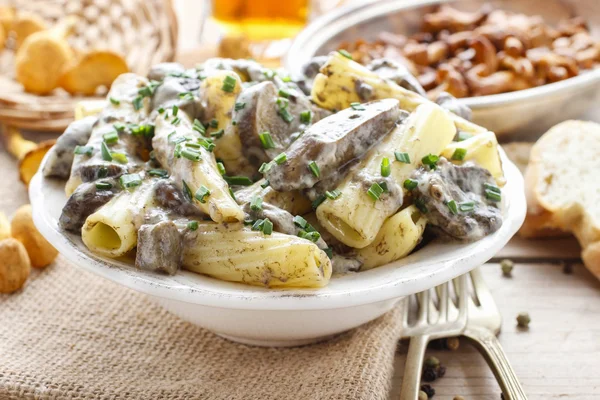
453,343
523,320
432,362
422,395
507,267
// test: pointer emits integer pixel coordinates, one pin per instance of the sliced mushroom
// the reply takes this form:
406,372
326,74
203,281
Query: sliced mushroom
333,142
388,69
159,248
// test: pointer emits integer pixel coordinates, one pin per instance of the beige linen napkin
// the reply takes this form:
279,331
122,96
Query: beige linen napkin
69,334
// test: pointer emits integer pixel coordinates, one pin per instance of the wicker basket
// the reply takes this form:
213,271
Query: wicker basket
144,31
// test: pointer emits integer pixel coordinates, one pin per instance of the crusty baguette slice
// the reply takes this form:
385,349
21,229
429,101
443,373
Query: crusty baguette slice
563,184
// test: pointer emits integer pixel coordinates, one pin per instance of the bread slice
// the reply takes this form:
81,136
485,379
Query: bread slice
563,185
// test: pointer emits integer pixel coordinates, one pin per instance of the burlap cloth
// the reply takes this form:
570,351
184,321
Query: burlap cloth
70,334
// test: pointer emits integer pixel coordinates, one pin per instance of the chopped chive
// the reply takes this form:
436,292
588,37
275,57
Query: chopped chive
175,110
228,84
102,172
248,222
375,191
318,201
280,159
463,136
466,206
314,168
285,115
137,103
106,156
161,110
492,188
410,184
191,155
218,134
300,221
232,194
161,173
493,195
103,186
282,102
265,184
459,154
177,151
207,144
111,137
452,206
356,106
265,167
202,193
402,157
306,117
384,186
329,252
266,140
239,106
258,225
114,101
192,145
119,127
312,236
198,127
147,90
256,203
186,96
385,167
238,180
175,121
430,160
121,158
334,194
221,168
179,140
420,204
128,181
234,123
192,225
87,150
283,93
187,192
214,123
345,54
267,227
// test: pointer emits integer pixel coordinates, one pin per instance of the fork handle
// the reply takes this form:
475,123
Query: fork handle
412,368
487,343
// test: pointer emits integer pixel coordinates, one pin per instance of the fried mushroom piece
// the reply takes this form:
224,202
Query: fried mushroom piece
388,69
159,248
86,199
168,196
474,217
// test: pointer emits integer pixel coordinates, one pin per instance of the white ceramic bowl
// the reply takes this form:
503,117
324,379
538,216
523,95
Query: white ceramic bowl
274,317
525,112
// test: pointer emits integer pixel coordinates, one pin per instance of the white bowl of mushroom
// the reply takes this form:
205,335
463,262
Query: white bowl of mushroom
520,67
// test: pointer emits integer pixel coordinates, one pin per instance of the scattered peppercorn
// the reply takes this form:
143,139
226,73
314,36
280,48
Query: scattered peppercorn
458,398
428,390
432,362
429,374
438,344
567,268
523,320
422,395
507,267
453,343
441,371
502,396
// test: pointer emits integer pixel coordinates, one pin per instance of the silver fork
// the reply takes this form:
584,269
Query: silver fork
434,321
483,325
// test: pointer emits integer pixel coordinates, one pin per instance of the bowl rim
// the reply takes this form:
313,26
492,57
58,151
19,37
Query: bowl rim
211,292
297,55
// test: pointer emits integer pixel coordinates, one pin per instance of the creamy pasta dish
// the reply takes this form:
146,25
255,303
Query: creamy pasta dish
245,174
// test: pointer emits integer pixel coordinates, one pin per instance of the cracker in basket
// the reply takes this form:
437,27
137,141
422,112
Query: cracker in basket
94,69
25,25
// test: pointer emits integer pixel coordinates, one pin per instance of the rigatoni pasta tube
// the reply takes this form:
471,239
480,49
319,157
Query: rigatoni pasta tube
172,142
334,88
398,236
112,230
236,253
354,218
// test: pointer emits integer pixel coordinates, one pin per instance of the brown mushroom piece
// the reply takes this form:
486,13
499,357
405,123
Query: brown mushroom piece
84,201
451,81
453,20
168,94
465,185
265,111
485,53
333,142
395,72
521,66
61,156
171,198
159,248
498,82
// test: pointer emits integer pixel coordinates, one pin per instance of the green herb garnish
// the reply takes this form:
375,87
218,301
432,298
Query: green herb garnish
314,168
375,191
87,150
386,170
266,140
402,157
459,154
